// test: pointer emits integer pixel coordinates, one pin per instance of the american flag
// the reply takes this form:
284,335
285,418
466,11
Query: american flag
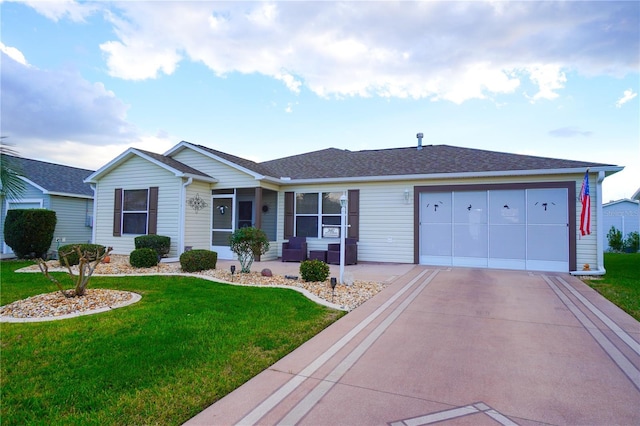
585,199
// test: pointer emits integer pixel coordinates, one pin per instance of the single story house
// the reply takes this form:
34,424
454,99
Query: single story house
624,215
432,204
54,187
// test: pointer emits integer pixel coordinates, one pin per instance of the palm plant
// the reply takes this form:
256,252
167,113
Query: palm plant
11,186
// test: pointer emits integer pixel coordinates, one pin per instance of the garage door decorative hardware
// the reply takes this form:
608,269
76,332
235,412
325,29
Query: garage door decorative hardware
545,205
435,206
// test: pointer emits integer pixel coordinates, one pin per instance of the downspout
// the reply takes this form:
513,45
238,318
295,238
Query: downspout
183,197
599,234
95,212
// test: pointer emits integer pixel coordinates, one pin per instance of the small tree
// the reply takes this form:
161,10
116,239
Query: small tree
89,260
247,243
614,236
632,243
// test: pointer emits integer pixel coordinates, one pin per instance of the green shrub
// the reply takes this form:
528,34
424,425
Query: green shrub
614,236
159,243
248,243
29,232
314,270
93,251
632,243
143,258
198,260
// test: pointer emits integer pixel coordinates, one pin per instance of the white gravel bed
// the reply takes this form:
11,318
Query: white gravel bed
54,305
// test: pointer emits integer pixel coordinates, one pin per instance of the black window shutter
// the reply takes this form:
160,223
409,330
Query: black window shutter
117,213
153,211
289,198
353,214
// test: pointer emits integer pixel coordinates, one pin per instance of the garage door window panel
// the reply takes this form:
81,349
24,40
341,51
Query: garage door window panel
470,224
436,224
547,232
507,224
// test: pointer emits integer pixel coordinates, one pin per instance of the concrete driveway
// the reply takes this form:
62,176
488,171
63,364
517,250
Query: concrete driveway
459,347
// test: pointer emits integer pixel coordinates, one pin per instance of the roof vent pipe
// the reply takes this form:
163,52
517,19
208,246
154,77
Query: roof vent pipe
419,136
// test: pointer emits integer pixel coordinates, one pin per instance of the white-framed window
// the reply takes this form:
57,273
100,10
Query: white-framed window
135,211
315,209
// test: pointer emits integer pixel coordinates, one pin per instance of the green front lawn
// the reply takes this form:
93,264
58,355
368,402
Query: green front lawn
621,284
186,344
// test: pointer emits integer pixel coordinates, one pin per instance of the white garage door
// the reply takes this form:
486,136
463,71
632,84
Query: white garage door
511,229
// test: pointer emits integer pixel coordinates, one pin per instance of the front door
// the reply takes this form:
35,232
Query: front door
223,225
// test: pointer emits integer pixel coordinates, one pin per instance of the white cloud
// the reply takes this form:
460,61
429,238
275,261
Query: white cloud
626,97
136,61
549,79
13,53
434,50
569,132
39,105
60,9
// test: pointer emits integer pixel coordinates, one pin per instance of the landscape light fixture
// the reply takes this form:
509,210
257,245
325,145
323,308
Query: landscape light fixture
333,287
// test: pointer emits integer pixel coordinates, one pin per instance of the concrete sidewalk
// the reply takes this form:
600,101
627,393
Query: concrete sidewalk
456,346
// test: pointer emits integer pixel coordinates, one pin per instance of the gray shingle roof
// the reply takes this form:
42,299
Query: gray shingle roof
432,159
55,177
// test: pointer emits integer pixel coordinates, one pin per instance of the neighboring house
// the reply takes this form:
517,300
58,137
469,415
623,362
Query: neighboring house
623,215
435,204
58,188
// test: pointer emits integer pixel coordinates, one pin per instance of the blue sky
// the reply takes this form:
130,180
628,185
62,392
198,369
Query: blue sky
83,81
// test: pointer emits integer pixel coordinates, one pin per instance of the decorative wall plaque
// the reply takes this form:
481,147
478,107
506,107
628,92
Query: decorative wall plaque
196,203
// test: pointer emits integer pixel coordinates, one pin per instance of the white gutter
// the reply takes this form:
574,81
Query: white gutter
199,177
441,176
599,234
47,192
181,230
65,194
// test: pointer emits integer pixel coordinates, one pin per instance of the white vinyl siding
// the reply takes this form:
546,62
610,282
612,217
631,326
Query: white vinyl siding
137,173
227,176
586,245
72,225
198,223
386,221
